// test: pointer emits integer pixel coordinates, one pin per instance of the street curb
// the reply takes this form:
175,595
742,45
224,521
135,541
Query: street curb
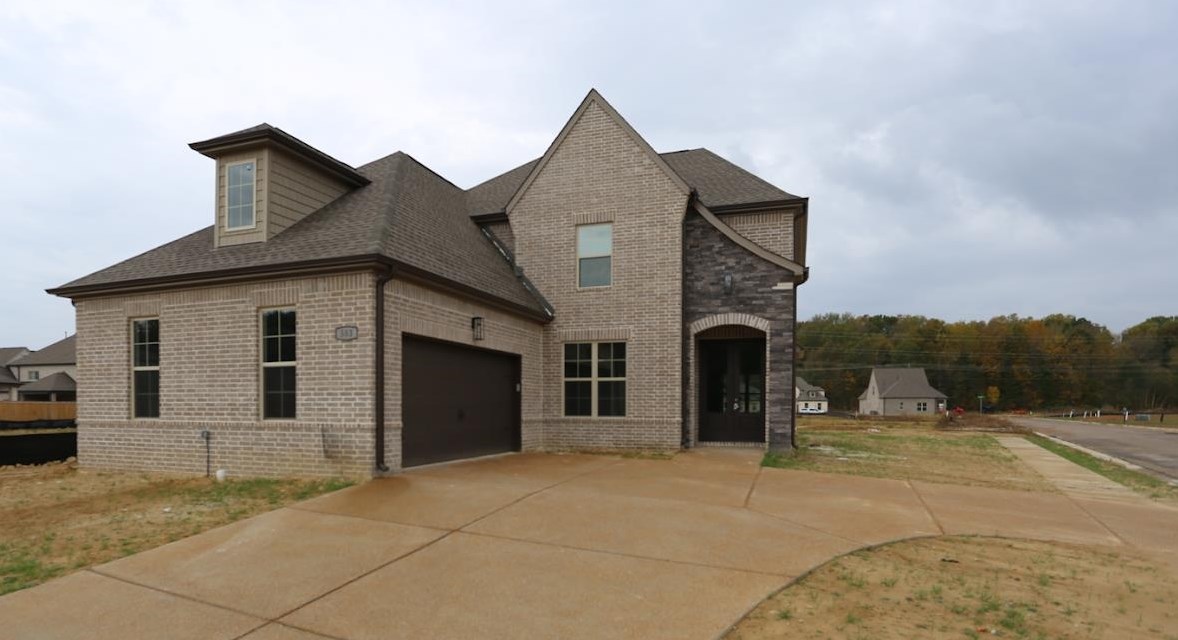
1105,457
1109,424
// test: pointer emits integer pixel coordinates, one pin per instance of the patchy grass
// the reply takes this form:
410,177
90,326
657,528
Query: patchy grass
1144,483
959,587
55,519
910,450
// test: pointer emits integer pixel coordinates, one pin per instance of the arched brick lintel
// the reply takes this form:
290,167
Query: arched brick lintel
721,319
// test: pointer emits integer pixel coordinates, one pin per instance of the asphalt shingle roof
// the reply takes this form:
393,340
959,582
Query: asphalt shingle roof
802,385
407,213
59,381
721,183
6,377
61,352
718,182
8,354
896,382
412,215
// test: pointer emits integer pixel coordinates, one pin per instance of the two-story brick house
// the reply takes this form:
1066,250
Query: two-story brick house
340,320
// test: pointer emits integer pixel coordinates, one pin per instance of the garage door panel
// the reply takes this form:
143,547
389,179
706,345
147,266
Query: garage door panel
457,402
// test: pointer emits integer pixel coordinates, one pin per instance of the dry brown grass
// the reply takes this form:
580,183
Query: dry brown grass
974,588
56,518
911,449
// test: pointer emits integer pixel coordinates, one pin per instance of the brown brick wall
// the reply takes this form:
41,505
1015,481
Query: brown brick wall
419,310
600,174
209,378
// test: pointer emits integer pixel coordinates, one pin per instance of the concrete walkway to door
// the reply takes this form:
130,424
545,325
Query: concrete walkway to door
532,545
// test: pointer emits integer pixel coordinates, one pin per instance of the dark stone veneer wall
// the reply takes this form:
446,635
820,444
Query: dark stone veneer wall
707,256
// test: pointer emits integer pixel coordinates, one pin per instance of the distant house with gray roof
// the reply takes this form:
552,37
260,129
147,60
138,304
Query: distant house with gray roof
8,377
809,398
45,374
900,391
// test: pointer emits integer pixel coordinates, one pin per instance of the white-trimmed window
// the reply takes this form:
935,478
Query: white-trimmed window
278,364
922,406
595,379
145,368
595,248
239,195
33,375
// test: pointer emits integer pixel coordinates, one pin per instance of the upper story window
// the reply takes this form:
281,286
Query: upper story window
278,363
239,191
595,248
34,375
145,368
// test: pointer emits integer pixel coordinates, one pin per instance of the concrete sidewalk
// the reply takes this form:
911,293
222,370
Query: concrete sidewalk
535,545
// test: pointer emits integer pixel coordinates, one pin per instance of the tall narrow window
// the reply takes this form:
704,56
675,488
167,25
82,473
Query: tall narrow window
278,363
239,192
595,379
145,368
595,248
578,379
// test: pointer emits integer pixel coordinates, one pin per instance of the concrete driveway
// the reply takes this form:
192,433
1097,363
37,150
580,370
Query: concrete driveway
1153,449
531,545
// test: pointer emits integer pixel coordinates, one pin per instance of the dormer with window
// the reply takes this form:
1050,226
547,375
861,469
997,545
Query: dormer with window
268,180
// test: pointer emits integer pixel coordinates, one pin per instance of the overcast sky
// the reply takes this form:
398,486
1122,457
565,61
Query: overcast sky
963,160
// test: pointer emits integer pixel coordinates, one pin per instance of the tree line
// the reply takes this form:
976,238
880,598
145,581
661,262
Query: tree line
1055,362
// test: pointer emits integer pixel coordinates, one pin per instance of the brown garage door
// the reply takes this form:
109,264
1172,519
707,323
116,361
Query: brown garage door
457,402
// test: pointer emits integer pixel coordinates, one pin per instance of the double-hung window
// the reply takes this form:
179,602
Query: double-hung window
278,363
145,368
239,194
922,406
595,379
595,248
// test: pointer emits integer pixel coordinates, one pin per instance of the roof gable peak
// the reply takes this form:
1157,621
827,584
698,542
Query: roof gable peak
595,98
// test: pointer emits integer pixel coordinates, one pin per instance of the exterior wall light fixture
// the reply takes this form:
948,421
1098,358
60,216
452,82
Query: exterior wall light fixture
476,327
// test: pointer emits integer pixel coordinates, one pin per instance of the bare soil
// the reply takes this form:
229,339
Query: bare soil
56,518
953,587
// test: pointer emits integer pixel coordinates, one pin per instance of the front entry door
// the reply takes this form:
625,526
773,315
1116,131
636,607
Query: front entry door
732,390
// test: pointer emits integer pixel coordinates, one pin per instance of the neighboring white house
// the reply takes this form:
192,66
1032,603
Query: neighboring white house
900,392
809,398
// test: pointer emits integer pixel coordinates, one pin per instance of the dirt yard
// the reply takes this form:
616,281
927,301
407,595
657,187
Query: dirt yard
974,588
55,518
910,450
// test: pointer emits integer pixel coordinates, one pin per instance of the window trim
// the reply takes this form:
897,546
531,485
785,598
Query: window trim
594,380
136,368
253,196
263,365
33,376
579,257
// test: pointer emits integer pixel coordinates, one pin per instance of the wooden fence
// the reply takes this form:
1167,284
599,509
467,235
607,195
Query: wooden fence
38,411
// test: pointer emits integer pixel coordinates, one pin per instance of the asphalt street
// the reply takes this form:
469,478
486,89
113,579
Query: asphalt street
1152,449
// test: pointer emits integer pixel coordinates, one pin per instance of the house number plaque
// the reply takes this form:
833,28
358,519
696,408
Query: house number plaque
348,332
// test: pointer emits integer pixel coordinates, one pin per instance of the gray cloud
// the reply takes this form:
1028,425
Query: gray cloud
963,161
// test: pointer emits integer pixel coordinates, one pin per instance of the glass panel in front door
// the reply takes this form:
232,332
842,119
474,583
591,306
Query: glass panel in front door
751,372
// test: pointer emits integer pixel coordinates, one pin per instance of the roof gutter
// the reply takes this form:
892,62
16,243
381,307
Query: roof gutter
221,276
382,279
368,262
